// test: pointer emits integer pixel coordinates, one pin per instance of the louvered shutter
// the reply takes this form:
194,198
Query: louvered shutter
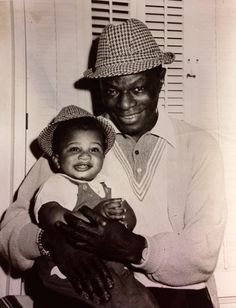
107,11
165,20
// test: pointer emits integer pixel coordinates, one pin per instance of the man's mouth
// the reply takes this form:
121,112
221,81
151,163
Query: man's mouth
130,118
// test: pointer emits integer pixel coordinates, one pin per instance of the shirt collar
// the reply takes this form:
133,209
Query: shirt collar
100,178
95,184
163,128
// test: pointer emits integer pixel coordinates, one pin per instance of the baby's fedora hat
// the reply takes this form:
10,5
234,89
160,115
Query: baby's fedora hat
68,113
127,48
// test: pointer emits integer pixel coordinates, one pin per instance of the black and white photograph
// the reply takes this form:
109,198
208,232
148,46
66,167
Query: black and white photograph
118,153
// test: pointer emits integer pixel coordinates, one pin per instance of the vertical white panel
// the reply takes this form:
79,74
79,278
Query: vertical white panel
58,38
14,285
84,42
6,121
73,40
137,9
200,64
41,64
18,37
226,98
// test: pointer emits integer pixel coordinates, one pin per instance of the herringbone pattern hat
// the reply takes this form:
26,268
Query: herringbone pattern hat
127,48
72,112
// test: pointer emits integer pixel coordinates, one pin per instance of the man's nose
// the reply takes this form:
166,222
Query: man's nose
126,101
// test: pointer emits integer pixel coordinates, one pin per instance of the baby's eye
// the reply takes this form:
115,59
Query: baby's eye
74,149
95,150
138,90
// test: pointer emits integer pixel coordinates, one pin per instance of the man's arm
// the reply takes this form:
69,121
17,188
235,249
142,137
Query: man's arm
18,233
190,255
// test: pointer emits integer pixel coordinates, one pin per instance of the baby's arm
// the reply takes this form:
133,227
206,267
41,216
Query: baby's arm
118,208
54,198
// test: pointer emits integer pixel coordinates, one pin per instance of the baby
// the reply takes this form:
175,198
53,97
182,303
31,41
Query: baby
76,142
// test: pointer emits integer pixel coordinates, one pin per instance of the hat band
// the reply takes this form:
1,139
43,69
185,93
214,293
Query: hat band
129,58
123,68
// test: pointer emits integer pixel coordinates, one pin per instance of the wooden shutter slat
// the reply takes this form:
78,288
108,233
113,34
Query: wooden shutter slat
154,2
155,26
155,10
155,18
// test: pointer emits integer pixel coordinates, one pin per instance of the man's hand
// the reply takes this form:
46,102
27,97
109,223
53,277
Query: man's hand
104,237
87,273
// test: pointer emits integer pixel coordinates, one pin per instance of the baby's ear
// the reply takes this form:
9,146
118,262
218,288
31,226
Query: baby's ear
56,161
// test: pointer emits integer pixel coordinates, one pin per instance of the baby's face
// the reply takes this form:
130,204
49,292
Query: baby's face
82,155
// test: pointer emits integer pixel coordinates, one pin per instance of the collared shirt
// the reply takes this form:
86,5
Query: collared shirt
141,159
139,153
63,189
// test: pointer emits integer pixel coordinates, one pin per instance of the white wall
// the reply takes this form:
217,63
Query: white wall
6,116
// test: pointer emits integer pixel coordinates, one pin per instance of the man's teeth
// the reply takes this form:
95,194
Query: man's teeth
130,117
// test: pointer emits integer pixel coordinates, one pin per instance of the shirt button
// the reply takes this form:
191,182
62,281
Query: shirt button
85,187
139,170
136,152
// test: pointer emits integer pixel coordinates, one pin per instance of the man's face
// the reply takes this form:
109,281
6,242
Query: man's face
131,101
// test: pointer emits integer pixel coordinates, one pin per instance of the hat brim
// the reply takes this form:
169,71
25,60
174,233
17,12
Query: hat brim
130,67
46,136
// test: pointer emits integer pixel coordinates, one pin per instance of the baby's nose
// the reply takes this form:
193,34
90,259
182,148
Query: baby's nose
85,156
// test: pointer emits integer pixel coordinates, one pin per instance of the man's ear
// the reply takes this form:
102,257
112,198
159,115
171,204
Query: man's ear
162,75
56,161
161,78
101,86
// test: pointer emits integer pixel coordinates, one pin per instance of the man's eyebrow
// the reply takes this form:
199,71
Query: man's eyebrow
116,86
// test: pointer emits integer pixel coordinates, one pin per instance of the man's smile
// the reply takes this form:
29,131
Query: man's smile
130,118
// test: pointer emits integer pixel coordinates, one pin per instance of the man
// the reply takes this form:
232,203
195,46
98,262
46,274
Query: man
169,172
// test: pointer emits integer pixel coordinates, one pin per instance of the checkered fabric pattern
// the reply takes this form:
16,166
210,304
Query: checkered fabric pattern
127,48
72,112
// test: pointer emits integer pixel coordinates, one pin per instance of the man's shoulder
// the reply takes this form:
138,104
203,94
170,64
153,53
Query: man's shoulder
183,128
58,179
193,136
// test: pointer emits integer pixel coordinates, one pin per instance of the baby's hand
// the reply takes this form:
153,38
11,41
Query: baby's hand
119,209
112,208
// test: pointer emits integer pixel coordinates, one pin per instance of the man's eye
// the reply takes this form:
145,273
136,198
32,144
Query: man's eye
111,92
138,90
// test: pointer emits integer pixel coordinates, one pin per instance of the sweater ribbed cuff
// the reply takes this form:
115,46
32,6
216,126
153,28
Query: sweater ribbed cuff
28,239
153,258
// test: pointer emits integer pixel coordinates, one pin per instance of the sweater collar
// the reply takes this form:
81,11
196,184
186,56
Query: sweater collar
163,128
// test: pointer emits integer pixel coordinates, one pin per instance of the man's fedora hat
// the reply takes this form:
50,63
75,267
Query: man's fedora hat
127,48
68,113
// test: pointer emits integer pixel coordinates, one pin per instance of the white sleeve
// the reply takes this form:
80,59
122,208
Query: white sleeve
57,189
